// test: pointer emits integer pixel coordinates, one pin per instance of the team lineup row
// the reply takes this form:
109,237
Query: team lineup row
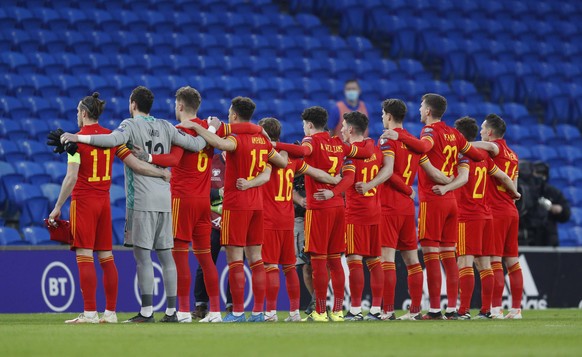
375,217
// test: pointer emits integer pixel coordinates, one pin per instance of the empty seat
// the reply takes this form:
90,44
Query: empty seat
11,129
10,152
38,236
36,151
57,171
10,236
33,205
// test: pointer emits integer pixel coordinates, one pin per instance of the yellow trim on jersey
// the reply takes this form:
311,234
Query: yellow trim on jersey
353,151
388,153
227,129
464,166
175,214
231,138
308,144
428,138
423,160
493,170
122,150
307,226
422,220
462,248
74,159
466,148
349,238
271,153
73,218
349,168
302,169
224,233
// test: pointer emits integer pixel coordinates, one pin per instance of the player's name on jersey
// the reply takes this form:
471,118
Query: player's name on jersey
450,137
258,140
331,148
371,158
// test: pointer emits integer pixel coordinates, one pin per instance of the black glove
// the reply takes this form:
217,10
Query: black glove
54,139
71,148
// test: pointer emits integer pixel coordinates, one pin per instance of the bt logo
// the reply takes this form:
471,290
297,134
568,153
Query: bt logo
58,286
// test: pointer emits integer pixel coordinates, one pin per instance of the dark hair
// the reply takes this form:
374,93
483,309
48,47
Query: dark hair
351,80
396,108
190,97
315,115
243,107
143,98
437,104
496,124
93,105
468,127
272,126
541,168
357,120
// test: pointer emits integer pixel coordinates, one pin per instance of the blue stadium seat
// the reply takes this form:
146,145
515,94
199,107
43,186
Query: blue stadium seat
10,236
414,70
15,108
33,205
576,216
78,43
573,195
290,68
117,195
67,107
311,25
12,129
45,87
103,65
571,154
338,48
69,125
547,153
568,132
38,236
516,113
33,172
36,151
286,89
567,236
523,152
57,170
51,192
73,87
8,178
25,42
10,152
465,91
42,108
573,175
118,174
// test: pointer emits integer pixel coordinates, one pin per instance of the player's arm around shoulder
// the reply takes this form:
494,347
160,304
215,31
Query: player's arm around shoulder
208,135
433,173
491,148
506,181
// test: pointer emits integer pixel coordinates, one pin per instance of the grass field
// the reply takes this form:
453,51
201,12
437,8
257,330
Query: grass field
554,332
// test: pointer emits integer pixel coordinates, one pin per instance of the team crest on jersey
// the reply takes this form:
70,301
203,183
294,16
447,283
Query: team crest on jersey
181,132
121,128
427,130
383,141
215,172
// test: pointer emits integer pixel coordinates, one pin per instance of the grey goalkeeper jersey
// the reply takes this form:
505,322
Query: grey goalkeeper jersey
156,136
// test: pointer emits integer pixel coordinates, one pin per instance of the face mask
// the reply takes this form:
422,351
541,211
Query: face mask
352,95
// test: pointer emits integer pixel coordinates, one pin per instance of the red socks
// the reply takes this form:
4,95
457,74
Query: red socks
210,278
486,289
516,285
293,289
415,287
389,270
110,282
466,286
88,281
180,254
376,280
498,284
452,271
320,279
356,280
259,285
338,280
433,278
236,278
272,287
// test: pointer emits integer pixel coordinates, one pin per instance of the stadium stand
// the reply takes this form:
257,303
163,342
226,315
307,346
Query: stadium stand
519,62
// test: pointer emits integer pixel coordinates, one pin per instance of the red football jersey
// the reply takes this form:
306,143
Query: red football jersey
249,159
94,179
405,167
448,143
191,177
328,155
471,198
500,201
363,209
278,196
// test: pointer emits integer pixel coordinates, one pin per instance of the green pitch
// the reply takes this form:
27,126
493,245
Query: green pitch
555,332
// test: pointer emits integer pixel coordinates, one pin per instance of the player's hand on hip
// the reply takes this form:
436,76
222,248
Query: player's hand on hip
140,153
323,194
55,214
389,134
243,184
439,190
68,137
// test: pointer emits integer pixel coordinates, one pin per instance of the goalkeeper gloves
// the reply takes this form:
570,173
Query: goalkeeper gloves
54,139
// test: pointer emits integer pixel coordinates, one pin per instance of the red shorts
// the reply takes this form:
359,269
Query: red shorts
364,240
279,247
437,223
325,230
191,221
479,232
242,228
398,232
91,223
505,230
